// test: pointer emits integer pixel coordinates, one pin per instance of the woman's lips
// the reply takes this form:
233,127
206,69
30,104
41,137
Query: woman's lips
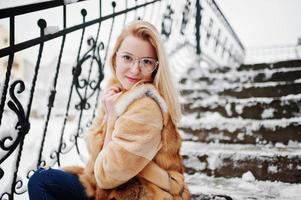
132,80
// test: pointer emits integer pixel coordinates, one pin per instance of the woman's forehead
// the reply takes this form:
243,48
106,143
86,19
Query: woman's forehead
137,47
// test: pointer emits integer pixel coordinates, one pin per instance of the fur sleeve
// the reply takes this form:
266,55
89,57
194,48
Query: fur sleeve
94,137
135,141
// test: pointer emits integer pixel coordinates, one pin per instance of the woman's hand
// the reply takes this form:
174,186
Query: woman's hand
108,99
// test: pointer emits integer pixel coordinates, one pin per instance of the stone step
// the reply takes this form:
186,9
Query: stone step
281,64
233,160
212,127
264,75
269,89
251,108
288,75
205,187
242,90
219,69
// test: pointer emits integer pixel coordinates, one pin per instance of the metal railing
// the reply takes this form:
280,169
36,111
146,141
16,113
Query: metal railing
44,113
270,54
219,44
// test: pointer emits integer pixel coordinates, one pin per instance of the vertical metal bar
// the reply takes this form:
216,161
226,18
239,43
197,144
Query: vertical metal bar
42,24
53,91
105,58
84,13
61,145
98,31
9,65
15,174
198,21
135,16
125,15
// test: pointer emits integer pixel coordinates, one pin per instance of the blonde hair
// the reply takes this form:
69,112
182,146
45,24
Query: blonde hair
161,76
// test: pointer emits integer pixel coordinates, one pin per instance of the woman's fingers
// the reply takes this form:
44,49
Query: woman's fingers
114,96
109,94
110,98
113,89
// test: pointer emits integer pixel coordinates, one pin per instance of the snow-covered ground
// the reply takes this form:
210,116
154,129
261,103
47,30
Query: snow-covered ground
243,188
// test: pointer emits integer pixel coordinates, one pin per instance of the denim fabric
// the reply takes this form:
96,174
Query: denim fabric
54,184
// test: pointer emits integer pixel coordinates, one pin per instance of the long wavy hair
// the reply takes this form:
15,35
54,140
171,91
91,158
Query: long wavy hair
161,76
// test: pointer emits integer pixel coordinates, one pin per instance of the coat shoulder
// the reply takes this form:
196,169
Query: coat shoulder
146,95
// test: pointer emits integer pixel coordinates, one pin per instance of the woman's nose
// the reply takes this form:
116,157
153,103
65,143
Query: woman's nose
135,67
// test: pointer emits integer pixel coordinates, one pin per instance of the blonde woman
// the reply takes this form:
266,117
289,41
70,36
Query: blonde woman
134,144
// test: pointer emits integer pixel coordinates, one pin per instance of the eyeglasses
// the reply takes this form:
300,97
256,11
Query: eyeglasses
146,65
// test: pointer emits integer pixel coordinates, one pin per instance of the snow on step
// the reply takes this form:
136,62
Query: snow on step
221,86
281,64
246,76
281,163
211,120
196,148
255,108
240,189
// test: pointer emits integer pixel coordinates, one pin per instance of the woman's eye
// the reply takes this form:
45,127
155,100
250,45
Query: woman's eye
127,58
146,61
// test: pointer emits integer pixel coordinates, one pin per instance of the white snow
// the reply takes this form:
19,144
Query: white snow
290,192
239,76
298,80
248,177
239,189
272,169
211,120
238,151
267,113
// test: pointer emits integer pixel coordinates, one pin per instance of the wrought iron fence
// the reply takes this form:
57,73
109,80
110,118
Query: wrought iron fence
45,107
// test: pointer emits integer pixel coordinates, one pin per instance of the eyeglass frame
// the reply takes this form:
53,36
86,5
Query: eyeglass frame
139,60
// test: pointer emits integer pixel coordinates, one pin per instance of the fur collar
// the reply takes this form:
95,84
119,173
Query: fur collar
136,93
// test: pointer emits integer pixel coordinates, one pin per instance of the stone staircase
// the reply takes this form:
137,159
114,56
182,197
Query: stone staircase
240,120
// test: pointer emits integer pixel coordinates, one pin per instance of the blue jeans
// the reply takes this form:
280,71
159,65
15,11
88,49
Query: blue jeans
53,184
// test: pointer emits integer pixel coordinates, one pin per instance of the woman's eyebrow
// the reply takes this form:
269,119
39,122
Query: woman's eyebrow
149,57
126,52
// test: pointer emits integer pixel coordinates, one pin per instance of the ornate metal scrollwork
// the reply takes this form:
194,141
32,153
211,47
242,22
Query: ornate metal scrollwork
6,196
85,88
81,84
166,26
22,125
